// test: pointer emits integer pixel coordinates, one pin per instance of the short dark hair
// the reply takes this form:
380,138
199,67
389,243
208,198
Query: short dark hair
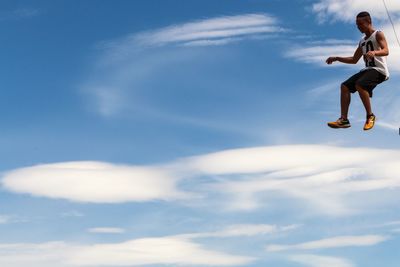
364,14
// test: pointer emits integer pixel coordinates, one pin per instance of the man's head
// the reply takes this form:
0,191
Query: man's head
363,21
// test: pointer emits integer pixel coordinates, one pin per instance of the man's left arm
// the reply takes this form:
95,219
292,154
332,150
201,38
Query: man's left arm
384,51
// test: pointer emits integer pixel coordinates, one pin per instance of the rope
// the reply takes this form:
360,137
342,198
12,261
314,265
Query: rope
390,18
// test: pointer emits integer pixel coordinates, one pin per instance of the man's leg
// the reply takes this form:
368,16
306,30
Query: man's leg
342,122
364,95
345,99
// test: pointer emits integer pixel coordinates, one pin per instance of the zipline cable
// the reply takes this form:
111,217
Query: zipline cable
391,21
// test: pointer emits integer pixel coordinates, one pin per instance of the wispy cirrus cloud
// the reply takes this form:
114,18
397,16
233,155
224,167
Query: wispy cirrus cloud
106,230
346,10
243,230
9,219
137,252
125,67
166,250
334,242
317,53
4,219
213,31
20,13
387,227
320,261
72,213
393,223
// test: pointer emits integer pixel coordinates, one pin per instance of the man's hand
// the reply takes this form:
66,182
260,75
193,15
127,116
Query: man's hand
370,55
329,60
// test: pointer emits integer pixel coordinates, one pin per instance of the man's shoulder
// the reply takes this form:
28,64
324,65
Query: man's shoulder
380,34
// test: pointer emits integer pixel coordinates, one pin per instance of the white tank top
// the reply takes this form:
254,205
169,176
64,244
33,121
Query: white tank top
378,63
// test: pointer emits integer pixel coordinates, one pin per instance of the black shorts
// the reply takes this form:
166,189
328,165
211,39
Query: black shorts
367,79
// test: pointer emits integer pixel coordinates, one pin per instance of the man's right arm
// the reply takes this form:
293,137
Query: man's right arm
348,60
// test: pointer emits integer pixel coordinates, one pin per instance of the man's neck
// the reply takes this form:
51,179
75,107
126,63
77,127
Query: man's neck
369,32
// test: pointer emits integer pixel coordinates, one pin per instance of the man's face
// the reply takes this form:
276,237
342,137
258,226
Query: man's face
362,24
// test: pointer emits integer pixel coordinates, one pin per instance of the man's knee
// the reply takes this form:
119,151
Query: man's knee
344,88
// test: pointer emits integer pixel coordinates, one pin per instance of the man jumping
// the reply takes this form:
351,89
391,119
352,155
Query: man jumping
373,47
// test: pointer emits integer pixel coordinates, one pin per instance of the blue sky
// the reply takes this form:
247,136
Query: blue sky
193,133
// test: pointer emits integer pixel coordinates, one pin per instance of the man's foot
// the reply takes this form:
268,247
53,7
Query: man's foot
340,123
370,122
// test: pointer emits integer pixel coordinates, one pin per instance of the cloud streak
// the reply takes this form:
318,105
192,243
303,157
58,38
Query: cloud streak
346,10
317,54
137,252
243,230
106,230
123,68
220,30
334,242
20,13
4,219
320,261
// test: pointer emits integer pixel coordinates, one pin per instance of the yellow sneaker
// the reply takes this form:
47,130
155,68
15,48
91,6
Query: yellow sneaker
370,122
340,123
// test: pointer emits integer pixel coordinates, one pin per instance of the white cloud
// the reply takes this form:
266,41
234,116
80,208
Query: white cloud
106,230
239,230
321,176
124,67
167,250
320,261
212,42
72,213
20,13
390,227
4,219
93,182
346,10
334,242
145,251
299,159
8,219
35,255
392,223
218,30
317,54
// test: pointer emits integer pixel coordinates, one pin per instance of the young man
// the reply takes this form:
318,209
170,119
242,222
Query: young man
373,47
